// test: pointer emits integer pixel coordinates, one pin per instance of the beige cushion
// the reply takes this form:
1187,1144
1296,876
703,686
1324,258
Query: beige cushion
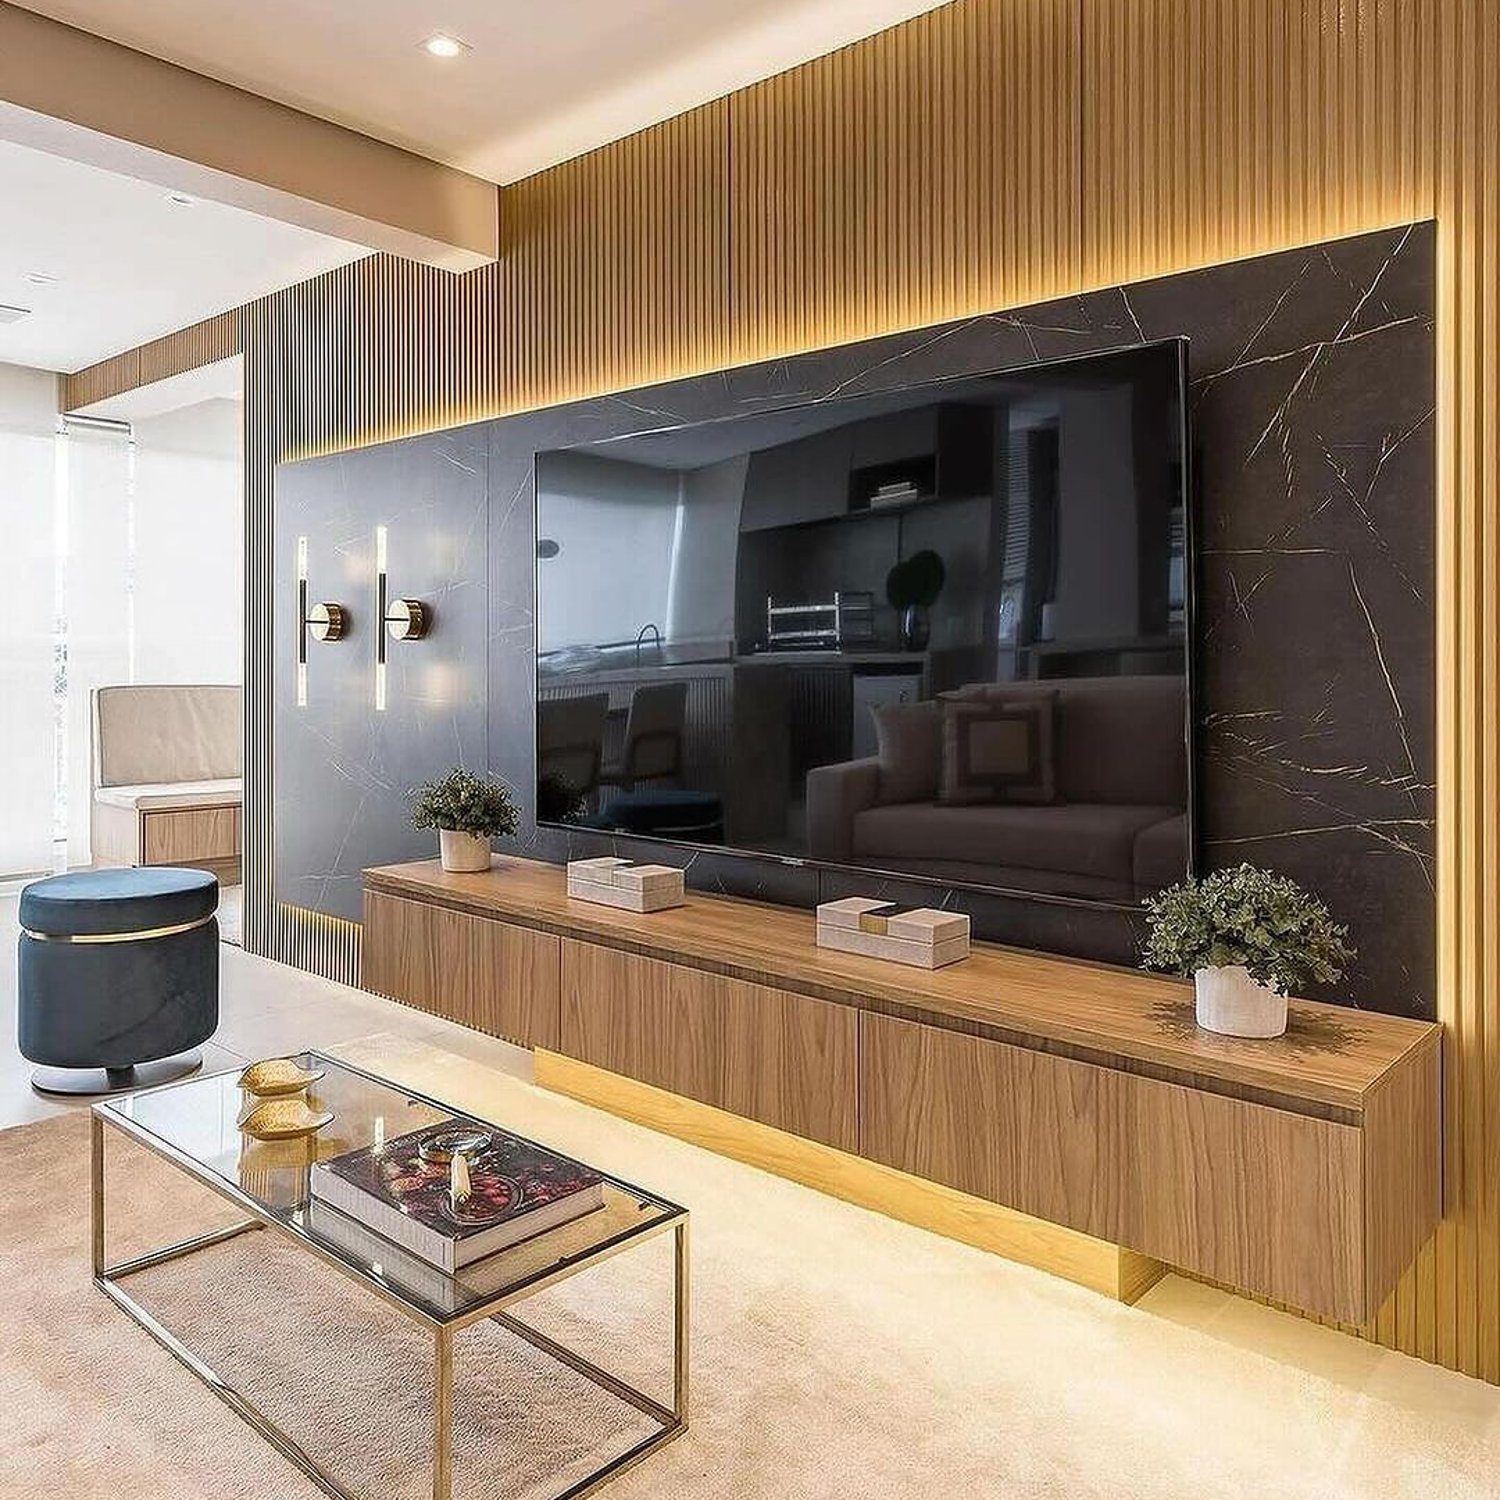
910,741
156,797
1087,840
997,751
1119,739
151,736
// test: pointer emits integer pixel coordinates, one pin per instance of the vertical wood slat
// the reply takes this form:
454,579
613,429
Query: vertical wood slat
189,348
926,173
989,153
1218,129
612,271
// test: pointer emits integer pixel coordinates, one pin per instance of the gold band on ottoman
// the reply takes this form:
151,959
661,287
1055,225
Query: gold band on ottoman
118,937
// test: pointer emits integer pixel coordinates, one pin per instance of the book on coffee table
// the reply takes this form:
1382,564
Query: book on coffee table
403,1190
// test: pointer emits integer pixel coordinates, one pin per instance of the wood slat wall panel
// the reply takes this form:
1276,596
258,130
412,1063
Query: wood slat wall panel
1455,1295
990,153
190,348
928,172
613,267
1218,129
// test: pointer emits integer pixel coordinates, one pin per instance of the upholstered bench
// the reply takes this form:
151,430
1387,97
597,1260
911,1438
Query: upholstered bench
166,777
119,977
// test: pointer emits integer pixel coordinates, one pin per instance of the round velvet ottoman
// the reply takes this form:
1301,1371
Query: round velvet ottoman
119,977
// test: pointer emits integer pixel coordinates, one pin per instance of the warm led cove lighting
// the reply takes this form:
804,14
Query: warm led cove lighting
442,45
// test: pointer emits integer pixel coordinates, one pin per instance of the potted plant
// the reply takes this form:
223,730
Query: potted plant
911,589
468,810
1246,937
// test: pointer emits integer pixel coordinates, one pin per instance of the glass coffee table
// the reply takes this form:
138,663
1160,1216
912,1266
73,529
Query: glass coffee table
192,1124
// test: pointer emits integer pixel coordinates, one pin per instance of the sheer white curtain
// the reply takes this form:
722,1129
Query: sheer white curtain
154,567
121,560
189,546
28,584
98,564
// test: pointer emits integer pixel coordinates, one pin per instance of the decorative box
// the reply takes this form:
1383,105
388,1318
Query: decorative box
916,935
622,883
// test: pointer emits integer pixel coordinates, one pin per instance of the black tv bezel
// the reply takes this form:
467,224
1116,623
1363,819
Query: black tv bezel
1190,633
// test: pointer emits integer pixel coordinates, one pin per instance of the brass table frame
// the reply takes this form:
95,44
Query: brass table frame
672,1421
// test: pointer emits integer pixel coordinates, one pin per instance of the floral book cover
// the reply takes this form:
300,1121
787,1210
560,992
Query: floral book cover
508,1179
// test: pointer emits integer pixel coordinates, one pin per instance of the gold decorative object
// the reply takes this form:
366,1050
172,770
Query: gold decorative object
276,1076
283,1119
406,619
325,622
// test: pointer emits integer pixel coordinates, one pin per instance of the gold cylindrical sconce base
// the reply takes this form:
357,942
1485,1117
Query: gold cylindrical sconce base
407,619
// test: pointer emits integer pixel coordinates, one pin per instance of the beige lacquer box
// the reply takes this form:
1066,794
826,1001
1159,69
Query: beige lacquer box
620,882
920,936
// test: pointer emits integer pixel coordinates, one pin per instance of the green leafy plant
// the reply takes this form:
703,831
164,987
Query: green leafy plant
464,802
1267,922
917,579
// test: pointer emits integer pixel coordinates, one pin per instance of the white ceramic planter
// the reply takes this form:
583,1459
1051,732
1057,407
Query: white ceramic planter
463,853
1233,1004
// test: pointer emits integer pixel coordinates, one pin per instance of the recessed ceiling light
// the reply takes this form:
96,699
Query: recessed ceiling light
40,278
13,314
440,44
182,200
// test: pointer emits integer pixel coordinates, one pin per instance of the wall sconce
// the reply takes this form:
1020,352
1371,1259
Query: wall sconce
323,622
404,619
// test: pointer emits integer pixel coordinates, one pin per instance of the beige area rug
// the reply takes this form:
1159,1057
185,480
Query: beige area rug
835,1353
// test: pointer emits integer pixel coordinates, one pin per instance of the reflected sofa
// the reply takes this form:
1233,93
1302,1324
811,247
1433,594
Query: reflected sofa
1116,829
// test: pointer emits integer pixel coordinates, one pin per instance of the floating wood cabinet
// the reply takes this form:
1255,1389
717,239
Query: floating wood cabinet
754,1050
1081,1100
1322,1213
490,975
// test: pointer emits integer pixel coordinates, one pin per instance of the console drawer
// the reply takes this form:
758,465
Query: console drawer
490,975
784,1059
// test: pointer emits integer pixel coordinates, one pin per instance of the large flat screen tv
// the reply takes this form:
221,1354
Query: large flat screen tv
942,632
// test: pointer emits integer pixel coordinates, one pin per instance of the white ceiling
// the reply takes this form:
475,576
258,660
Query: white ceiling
545,80
129,264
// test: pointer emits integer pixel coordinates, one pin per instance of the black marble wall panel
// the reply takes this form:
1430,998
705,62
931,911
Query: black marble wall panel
1313,395
342,766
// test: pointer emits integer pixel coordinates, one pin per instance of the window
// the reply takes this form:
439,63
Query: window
122,563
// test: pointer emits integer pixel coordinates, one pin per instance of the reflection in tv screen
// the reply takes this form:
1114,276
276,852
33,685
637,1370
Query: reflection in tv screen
939,632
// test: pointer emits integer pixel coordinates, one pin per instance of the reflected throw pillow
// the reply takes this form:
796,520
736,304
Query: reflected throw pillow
910,739
996,751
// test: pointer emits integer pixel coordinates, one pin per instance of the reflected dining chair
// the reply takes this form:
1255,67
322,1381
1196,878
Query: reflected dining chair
652,750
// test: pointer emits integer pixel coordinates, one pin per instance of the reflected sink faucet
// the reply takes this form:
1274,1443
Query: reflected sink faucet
640,635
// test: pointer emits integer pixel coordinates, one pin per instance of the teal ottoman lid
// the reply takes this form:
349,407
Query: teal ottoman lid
90,902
